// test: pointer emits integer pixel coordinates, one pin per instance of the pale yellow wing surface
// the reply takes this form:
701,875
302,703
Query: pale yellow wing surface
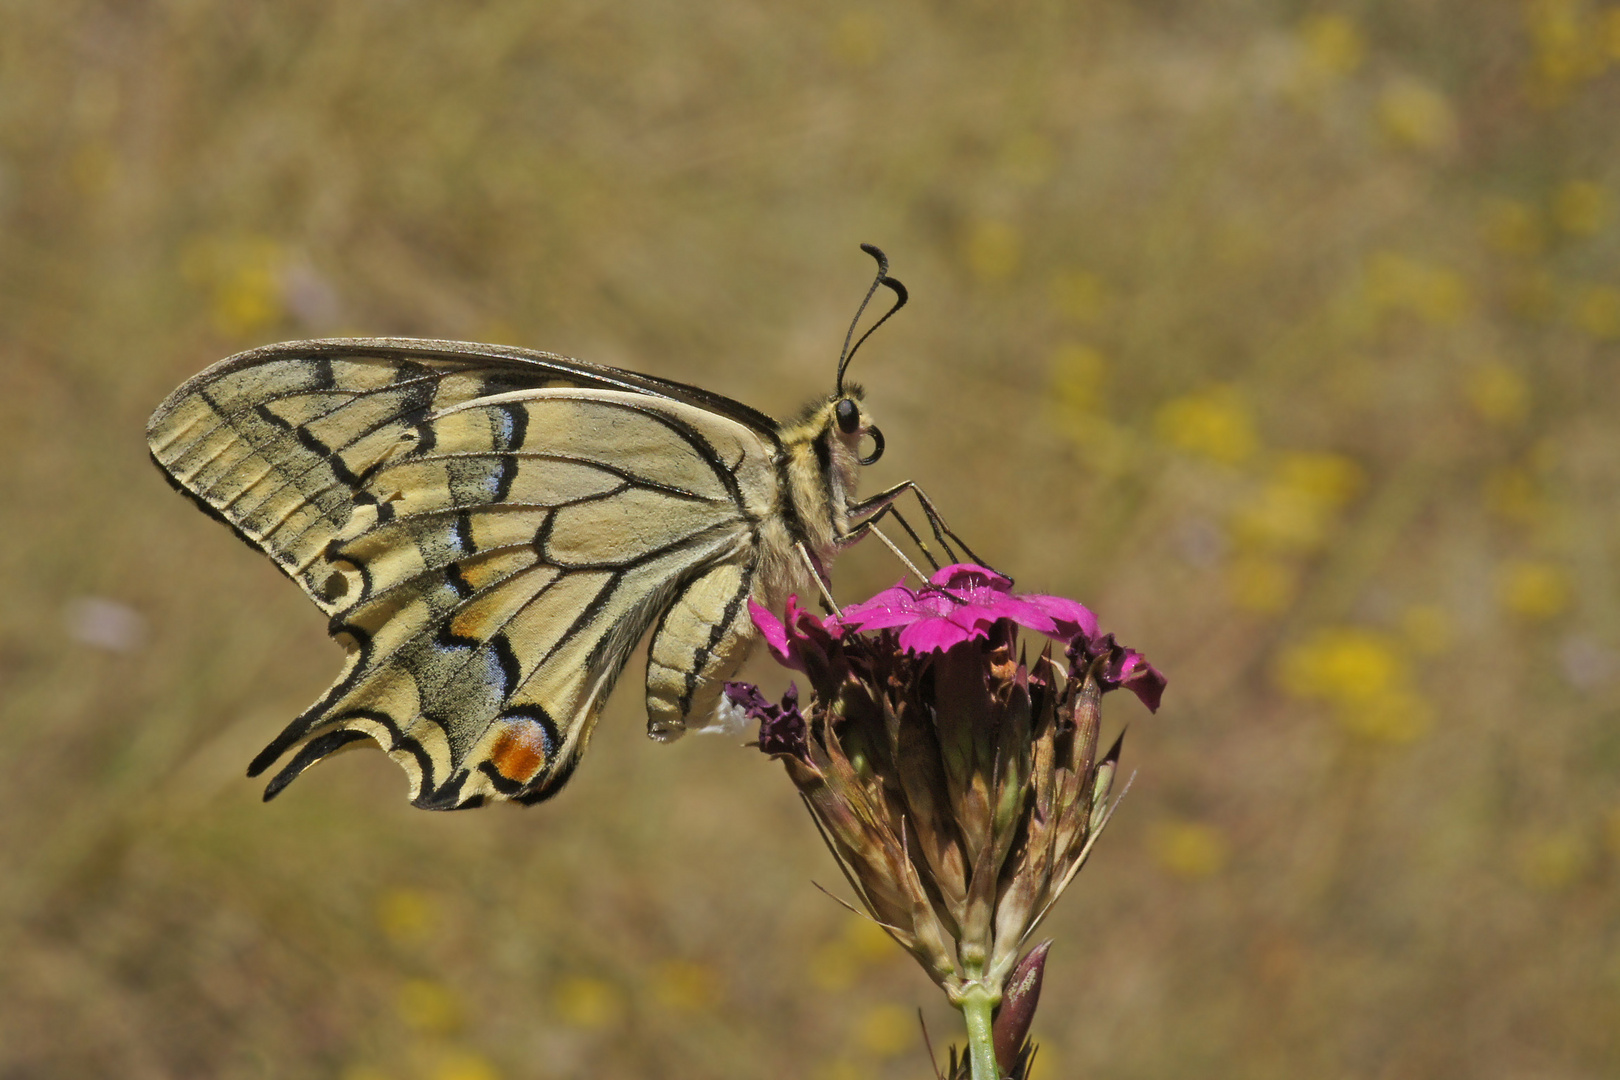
491,532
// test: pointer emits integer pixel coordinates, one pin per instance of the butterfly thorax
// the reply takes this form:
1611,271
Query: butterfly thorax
821,467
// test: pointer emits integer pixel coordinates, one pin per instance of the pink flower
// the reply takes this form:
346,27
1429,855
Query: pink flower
959,785
961,603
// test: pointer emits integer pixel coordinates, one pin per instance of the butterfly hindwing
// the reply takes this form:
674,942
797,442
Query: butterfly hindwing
491,532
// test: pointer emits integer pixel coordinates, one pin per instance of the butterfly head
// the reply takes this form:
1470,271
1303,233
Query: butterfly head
837,427
852,423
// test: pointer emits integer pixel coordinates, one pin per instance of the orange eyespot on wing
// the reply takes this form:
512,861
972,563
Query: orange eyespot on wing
521,749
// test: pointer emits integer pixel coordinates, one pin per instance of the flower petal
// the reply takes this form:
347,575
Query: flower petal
1142,679
894,606
988,595
969,575
772,630
936,635
1070,618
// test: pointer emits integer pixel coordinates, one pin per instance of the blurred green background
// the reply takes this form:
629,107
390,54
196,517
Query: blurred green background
1284,334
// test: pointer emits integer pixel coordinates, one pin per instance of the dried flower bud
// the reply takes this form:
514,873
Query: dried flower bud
781,727
1022,993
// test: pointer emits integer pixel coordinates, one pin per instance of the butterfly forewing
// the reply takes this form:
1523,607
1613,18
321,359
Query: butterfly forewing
491,532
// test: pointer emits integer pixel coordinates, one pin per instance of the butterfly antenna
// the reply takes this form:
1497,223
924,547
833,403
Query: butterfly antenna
900,298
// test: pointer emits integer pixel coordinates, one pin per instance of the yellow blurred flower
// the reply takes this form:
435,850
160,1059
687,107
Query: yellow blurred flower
1415,115
428,1006
1597,311
407,916
1331,48
840,1069
858,38
1534,590
1333,44
463,1065
1428,628
1190,849
242,275
1296,510
1498,393
587,1002
1333,479
1214,423
1344,664
1433,293
1400,716
685,986
869,942
1611,832
1609,33
887,1031
1512,227
1364,676
1283,518
1261,584
1080,295
1566,48
1554,861
992,250
1581,207
1078,375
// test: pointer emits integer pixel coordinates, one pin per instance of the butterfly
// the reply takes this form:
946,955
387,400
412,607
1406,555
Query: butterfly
491,531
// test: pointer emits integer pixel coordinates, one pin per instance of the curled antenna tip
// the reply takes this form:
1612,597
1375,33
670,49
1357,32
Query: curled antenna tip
882,259
883,279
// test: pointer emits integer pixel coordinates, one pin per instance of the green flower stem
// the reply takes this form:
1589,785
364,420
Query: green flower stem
976,1006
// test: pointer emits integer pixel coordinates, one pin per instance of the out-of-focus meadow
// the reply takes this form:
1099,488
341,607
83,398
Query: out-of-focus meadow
1284,334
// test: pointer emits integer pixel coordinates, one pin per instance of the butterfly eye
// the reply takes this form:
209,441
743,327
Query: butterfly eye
877,446
848,414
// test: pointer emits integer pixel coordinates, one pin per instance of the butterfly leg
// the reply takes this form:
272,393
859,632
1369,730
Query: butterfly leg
883,503
812,564
869,527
